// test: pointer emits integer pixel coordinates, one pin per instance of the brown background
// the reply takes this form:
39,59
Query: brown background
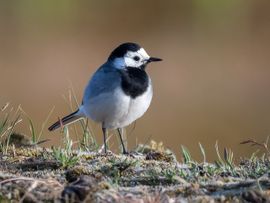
212,85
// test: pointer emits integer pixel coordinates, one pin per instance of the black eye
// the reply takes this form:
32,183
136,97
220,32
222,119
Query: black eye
136,58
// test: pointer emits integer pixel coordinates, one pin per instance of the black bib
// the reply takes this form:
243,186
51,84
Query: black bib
134,81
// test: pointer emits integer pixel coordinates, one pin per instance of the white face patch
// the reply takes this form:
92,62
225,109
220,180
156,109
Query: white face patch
143,53
132,59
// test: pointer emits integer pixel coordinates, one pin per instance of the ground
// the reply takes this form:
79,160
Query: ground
34,174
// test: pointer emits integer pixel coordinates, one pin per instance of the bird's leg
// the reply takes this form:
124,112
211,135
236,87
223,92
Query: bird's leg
120,132
105,131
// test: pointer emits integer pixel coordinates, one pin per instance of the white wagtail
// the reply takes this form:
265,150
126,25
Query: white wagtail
119,92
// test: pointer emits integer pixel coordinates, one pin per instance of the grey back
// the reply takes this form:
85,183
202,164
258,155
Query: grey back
105,79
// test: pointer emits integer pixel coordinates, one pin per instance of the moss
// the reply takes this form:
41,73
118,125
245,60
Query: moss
75,172
159,156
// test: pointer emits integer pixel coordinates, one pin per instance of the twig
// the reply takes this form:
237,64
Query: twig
33,186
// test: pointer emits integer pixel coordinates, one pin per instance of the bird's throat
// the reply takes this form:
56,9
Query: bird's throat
134,81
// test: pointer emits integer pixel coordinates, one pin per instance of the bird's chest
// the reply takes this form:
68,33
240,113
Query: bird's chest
140,104
134,82
134,108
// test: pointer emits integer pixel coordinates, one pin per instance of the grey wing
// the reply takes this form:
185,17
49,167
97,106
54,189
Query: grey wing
105,79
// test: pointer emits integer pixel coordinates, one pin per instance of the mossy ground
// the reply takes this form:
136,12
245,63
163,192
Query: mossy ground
33,174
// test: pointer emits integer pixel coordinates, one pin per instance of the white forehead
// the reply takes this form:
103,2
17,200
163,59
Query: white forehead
141,52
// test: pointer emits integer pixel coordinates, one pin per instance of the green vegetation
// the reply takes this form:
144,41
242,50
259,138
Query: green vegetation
65,156
35,137
9,119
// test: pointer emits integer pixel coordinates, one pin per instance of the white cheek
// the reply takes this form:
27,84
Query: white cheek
131,63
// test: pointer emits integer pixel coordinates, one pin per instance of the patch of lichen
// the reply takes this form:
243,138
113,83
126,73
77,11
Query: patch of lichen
75,172
27,152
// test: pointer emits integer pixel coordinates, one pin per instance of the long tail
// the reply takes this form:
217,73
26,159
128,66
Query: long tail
71,118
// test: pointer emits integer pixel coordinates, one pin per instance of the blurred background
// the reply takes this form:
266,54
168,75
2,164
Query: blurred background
212,85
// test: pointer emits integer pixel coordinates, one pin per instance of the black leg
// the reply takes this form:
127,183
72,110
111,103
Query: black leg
120,131
104,130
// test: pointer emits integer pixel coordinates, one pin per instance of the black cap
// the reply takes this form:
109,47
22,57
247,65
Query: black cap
121,50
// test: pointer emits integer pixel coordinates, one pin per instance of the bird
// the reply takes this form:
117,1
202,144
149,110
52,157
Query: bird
118,93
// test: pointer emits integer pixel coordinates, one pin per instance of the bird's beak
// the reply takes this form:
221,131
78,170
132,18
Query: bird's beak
153,59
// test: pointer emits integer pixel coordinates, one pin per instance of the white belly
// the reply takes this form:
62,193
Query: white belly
117,110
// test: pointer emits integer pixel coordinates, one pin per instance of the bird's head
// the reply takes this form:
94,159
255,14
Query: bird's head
130,55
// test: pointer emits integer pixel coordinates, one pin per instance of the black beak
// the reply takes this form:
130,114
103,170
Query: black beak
153,59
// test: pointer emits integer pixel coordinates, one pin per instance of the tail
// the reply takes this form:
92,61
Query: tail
71,118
